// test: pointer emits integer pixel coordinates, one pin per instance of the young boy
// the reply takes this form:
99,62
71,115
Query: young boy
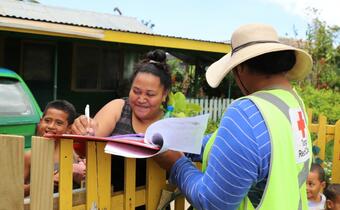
315,185
57,118
332,194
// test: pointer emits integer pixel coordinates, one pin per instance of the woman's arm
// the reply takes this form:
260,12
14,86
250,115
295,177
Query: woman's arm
103,123
108,116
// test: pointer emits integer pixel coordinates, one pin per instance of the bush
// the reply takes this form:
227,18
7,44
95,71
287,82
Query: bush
326,102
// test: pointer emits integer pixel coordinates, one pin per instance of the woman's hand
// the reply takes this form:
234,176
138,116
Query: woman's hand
84,126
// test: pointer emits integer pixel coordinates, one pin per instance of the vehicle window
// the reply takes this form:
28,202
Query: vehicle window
13,99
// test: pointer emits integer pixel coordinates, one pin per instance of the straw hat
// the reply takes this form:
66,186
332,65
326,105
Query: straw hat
253,40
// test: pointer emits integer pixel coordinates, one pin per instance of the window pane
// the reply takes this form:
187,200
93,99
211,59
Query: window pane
87,67
111,70
13,100
38,61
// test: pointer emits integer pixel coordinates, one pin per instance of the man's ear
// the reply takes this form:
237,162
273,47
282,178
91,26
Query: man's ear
329,204
323,185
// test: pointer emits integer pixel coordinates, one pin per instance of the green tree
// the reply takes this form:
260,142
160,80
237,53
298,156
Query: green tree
322,44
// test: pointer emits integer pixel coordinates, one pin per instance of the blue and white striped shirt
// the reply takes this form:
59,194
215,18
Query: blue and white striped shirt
239,159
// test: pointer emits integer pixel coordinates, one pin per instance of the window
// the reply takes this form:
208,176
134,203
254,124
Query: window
37,61
97,68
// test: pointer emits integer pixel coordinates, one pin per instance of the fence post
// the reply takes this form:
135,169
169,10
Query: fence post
104,177
130,183
321,140
42,167
155,182
11,172
336,154
91,176
65,174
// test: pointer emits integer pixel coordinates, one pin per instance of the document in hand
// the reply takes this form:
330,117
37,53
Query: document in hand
180,134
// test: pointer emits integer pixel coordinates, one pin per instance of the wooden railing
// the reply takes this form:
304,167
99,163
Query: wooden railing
98,194
326,133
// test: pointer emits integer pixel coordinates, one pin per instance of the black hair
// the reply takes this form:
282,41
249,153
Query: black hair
318,169
155,64
332,191
273,62
64,106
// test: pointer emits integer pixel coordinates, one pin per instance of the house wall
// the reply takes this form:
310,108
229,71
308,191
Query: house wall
14,56
67,68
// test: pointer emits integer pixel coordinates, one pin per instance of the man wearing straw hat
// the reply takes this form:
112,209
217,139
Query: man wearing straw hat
260,155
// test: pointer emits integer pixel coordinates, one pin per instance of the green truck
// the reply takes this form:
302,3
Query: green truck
19,111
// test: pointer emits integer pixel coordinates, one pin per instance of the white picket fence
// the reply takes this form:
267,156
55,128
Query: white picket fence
215,106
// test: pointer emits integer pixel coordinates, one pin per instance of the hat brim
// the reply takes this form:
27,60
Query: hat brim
218,70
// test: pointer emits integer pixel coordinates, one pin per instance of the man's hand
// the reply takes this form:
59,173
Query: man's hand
79,171
167,159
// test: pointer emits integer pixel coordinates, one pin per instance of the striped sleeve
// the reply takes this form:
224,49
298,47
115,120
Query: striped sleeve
239,158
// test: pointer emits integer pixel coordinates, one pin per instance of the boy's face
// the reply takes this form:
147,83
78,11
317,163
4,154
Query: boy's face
53,122
314,186
333,205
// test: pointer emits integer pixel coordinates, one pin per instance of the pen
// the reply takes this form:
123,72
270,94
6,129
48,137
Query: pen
87,113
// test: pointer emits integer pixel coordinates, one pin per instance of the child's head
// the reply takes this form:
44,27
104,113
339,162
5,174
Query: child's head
315,182
332,194
57,118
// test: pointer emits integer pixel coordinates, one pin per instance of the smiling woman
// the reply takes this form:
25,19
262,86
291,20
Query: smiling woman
148,96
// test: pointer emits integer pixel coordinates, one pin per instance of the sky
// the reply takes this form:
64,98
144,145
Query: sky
214,20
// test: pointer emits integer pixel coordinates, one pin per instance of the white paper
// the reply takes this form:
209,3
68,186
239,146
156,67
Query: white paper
179,134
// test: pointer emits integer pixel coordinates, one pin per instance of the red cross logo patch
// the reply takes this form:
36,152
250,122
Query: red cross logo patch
301,125
299,129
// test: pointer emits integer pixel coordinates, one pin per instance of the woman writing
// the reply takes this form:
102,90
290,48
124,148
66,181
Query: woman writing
148,96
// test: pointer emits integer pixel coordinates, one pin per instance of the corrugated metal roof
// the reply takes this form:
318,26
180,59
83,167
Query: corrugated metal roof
39,12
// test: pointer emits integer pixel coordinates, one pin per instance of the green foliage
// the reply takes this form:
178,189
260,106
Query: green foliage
182,108
323,101
212,126
322,46
176,74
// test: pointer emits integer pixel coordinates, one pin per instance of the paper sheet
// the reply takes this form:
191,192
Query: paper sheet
180,134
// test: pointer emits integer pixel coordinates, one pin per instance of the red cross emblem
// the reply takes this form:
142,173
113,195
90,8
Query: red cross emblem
301,124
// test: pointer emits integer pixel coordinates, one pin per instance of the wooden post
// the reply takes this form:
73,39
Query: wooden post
11,172
65,174
155,182
42,167
91,176
336,154
180,203
130,183
104,177
321,141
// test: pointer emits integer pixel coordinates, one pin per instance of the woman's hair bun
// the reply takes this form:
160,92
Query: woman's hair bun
157,55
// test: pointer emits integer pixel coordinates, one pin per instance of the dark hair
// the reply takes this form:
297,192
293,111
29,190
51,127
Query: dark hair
332,191
273,62
64,106
318,168
155,63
